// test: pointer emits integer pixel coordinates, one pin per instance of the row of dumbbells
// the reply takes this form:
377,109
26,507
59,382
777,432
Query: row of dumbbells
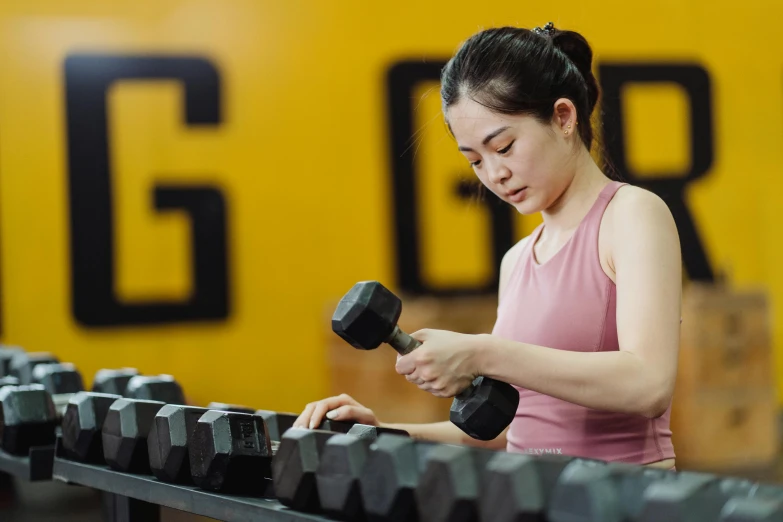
223,448
140,424
35,389
354,472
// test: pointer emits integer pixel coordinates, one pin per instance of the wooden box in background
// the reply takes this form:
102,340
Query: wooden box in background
725,429
369,376
724,411
725,339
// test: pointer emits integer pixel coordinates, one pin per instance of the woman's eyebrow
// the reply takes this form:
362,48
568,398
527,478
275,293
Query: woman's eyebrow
487,139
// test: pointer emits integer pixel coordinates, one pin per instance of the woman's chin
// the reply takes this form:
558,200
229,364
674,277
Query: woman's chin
526,207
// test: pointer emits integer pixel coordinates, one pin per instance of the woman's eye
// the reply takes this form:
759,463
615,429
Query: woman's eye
475,163
506,149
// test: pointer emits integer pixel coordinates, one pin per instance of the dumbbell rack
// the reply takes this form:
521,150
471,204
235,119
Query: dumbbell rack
36,466
138,498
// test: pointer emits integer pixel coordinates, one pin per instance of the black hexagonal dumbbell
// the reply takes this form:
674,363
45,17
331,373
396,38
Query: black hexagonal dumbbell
391,476
170,442
113,381
762,502
22,364
587,487
7,353
82,426
278,423
155,388
690,496
614,492
232,452
461,483
61,380
450,486
225,406
518,486
169,439
340,468
86,413
27,418
124,434
296,464
367,316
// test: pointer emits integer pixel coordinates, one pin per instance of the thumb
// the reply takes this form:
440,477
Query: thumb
406,364
420,335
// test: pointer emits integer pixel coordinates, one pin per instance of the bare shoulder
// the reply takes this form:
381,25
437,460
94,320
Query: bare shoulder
632,208
636,215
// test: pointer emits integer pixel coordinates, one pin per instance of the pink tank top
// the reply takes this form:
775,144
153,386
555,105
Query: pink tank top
568,303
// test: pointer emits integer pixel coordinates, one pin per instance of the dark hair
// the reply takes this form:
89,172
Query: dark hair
511,70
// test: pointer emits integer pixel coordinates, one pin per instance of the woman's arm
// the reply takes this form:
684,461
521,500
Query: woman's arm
345,408
447,433
639,378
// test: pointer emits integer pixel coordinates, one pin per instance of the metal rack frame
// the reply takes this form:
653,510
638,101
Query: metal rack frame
137,498
34,467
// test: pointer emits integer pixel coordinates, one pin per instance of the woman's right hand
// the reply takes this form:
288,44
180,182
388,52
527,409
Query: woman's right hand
340,408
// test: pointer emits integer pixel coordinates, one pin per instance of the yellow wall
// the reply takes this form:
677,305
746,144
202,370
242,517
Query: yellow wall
301,156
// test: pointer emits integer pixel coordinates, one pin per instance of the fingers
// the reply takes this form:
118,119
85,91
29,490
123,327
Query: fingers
354,413
435,387
321,408
415,379
343,413
314,413
303,420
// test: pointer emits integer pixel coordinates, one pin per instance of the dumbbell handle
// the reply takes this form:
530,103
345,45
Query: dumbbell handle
405,344
402,342
60,401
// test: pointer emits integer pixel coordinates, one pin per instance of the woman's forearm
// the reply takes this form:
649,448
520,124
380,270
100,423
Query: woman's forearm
447,433
611,381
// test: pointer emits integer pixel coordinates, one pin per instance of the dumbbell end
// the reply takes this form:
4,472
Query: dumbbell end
485,409
17,440
367,315
81,426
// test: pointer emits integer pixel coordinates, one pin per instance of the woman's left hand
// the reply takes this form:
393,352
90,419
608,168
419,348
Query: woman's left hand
445,363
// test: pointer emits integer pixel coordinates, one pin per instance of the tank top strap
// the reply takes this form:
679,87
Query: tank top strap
587,234
594,216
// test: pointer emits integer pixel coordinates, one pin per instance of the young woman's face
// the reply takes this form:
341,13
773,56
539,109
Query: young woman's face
524,162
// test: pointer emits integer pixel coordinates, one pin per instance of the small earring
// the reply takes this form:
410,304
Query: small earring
566,132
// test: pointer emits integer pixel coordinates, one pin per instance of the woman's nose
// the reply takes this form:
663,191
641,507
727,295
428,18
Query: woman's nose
498,173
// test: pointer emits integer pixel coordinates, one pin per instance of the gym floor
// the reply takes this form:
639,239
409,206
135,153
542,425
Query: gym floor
46,501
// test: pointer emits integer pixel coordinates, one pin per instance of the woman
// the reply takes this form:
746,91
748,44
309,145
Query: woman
588,319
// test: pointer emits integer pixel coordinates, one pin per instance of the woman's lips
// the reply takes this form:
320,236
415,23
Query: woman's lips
515,196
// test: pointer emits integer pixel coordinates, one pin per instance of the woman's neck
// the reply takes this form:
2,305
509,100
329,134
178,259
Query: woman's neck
565,214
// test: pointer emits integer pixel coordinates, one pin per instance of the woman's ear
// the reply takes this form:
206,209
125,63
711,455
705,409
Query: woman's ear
565,116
